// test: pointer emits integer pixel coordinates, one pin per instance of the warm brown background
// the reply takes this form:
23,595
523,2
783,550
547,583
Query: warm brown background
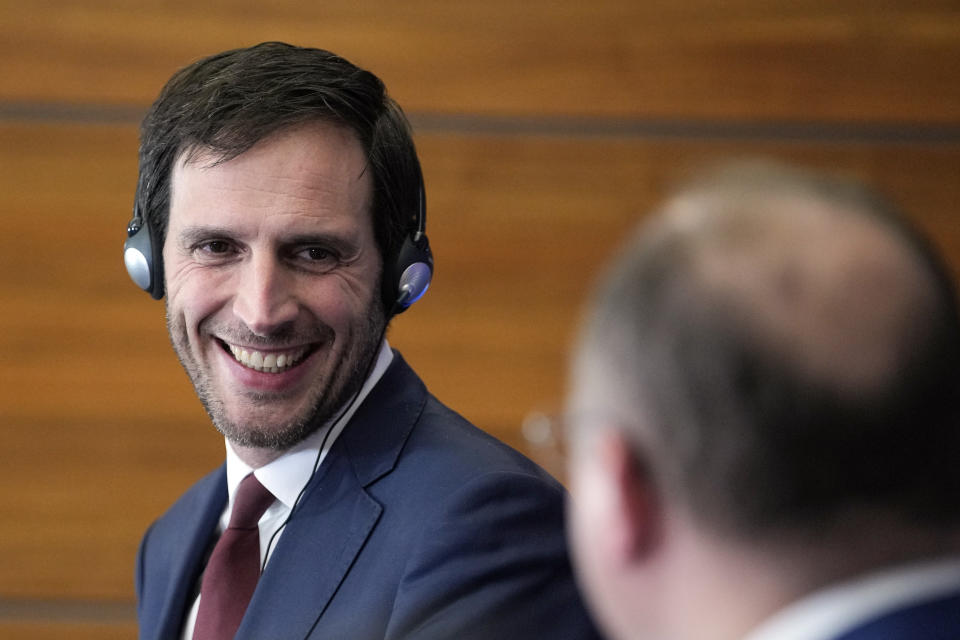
546,130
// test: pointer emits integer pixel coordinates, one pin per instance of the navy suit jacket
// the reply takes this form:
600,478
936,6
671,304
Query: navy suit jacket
934,619
417,525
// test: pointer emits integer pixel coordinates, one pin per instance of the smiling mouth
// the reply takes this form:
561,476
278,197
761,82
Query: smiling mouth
273,362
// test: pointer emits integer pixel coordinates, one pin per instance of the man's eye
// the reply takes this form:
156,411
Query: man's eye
317,254
317,259
215,246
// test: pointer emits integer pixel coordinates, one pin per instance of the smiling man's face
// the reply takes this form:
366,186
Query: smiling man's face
272,280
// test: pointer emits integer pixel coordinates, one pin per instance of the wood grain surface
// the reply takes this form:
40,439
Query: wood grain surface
548,130
882,61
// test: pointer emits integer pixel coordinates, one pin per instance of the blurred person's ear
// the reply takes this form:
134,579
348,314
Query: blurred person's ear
617,498
637,519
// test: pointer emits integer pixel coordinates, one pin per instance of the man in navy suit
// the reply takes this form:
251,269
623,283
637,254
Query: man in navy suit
765,420
280,211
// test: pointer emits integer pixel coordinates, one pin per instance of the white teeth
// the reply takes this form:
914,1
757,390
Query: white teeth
271,362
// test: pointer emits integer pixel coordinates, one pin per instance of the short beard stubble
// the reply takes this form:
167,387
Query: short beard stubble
344,383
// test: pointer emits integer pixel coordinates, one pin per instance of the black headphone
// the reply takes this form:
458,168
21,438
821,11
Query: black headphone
405,278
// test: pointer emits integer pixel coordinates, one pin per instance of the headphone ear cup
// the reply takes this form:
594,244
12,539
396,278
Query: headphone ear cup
411,274
139,257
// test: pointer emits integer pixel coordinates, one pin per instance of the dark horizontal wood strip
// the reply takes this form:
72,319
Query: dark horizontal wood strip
66,611
74,630
559,126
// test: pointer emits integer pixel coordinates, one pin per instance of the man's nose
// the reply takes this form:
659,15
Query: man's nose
265,298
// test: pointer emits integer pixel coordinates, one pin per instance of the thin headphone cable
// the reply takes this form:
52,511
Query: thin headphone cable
323,442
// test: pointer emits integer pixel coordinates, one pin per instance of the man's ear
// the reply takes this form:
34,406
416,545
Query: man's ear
638,519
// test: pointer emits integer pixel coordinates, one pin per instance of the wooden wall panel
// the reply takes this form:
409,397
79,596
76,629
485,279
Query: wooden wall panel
885,61
100,424
101,427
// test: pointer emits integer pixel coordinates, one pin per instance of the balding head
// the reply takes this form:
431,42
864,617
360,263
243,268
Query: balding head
819,285
783,350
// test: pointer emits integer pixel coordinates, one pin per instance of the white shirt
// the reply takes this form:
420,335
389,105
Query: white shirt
829,612
286,476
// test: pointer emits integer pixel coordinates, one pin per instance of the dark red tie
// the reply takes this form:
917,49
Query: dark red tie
234,567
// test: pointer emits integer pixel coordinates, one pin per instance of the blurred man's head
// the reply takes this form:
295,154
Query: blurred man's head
772,363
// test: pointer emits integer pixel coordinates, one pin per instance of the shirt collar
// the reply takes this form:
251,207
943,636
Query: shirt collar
286,476
836,609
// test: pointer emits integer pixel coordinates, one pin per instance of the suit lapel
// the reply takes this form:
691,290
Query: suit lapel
312,557
187,561
337,515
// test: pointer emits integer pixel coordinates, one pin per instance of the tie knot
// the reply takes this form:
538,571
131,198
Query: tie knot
251,501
